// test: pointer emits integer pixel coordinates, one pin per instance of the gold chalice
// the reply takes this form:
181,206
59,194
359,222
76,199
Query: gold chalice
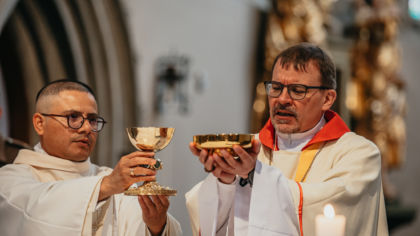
150,139
215,142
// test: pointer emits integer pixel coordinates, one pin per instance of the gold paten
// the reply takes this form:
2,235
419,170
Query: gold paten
150,139
216,142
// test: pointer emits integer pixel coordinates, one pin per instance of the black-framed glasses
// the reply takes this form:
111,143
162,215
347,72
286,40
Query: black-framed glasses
76,120
295,91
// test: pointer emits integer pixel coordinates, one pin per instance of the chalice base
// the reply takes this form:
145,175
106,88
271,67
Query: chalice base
150,188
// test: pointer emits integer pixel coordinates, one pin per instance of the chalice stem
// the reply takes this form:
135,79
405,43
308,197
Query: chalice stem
150,139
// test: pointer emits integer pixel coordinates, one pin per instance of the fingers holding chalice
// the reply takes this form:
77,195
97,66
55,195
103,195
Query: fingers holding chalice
127,172
143,169
157,166
135,164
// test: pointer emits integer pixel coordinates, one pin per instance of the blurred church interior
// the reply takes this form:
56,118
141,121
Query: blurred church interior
199,66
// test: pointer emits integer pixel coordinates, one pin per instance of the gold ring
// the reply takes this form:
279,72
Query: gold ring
132,172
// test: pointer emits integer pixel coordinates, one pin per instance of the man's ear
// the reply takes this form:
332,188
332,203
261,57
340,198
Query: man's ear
330,96
38,121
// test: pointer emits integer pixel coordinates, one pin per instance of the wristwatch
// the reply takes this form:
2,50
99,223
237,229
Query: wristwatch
243,182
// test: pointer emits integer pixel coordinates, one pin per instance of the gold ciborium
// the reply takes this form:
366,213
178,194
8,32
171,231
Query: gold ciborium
150,139
215,142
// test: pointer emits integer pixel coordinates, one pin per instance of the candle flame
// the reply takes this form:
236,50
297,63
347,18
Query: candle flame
329,211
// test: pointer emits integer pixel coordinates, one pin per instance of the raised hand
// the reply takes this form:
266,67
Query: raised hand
208,161
127,172
242,165
154,210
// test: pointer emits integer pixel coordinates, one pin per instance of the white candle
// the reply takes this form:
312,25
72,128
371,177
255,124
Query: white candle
329,224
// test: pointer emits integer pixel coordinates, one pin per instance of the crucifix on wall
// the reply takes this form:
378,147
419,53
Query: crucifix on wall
170,83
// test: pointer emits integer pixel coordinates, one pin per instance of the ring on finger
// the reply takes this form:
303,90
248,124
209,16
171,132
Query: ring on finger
132,172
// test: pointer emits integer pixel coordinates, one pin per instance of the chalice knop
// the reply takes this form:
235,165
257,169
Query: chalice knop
150,139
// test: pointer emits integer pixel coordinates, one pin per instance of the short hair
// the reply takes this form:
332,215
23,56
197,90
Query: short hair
301,54
57,86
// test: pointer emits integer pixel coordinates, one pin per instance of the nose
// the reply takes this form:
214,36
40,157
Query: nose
284,97
85,127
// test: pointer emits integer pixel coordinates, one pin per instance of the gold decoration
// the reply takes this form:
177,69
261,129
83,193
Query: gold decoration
288,22
377,96
215,142
150,188
150,139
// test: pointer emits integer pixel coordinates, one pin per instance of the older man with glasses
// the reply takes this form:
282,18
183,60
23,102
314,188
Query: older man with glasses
303,158
56,190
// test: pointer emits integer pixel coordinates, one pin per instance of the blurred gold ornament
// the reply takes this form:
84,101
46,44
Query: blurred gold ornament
376,96
289,22
379,83
259,106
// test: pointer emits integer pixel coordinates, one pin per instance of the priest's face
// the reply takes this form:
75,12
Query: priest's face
57,138
289,115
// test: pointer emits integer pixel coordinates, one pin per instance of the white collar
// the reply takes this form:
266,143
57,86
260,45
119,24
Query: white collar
296,141
51,162
38,148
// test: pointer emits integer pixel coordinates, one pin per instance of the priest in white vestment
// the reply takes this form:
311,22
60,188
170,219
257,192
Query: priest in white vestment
303,158
56,190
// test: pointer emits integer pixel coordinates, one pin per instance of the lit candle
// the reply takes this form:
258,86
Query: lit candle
329,224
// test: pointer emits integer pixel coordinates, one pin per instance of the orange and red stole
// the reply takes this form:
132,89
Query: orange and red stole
332,130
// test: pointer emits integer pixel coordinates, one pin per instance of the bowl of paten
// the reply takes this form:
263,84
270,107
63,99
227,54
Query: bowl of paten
216,142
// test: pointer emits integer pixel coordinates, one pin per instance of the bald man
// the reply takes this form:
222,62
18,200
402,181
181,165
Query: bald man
56,190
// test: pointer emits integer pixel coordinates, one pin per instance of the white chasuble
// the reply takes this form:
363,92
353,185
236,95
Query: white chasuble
346,172
46,195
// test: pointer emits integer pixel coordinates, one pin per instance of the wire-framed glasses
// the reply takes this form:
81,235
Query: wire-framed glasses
295,91
76,120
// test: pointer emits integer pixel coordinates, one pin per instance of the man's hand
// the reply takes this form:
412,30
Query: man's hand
154,210
127,172
244,164
208,161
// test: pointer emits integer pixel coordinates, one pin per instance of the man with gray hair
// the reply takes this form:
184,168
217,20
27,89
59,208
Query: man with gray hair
304,158
56,190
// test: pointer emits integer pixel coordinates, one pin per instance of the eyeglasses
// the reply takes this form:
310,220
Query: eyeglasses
295,91
76,120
